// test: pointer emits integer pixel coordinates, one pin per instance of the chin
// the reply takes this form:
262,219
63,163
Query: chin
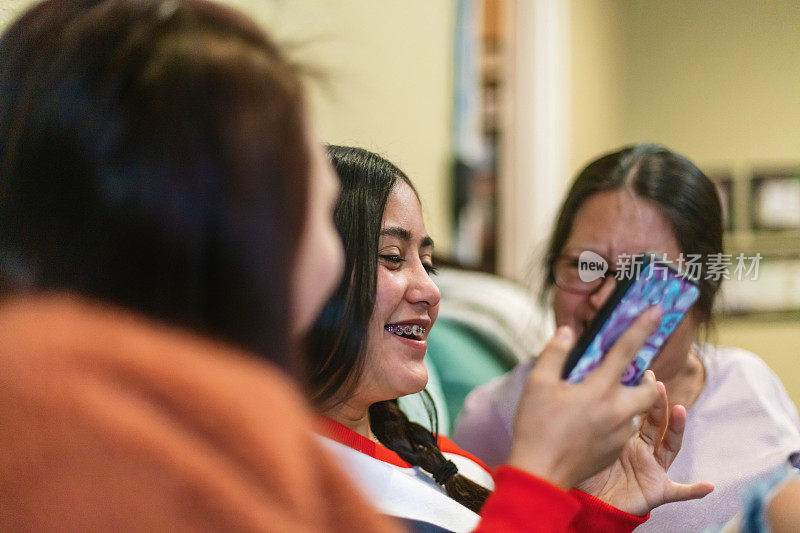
414,384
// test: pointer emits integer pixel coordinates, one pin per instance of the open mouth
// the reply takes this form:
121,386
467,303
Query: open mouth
407,331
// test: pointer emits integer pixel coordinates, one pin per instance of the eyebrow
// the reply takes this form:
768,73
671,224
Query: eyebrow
576,251
402,233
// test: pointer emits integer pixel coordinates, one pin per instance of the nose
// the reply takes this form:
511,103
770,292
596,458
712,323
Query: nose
422,289
599,297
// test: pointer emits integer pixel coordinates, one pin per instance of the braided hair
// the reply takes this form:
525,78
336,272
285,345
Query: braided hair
416,445
336,344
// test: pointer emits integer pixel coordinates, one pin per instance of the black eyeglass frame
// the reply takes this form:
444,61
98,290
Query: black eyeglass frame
592,286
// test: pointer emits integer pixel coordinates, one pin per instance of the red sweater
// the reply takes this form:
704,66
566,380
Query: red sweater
520,502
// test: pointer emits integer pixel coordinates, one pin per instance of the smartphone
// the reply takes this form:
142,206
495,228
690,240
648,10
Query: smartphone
651,282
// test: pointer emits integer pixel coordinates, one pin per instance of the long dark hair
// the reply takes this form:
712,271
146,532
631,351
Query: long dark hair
684,195
337,342
154,157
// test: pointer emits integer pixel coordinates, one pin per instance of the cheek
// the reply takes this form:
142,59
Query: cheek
335,254
433,313
329,253
387,297
328,256
565,306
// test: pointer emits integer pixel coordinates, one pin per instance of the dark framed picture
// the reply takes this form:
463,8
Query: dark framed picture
723,180
775,199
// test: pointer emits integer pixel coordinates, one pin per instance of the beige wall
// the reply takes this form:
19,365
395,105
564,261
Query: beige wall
388,80
716,80
596,80
777,342
10,8
388,85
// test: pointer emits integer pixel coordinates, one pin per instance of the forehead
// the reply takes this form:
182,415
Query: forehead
403,209
616,222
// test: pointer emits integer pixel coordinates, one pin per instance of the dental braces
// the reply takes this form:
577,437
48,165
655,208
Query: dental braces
408,330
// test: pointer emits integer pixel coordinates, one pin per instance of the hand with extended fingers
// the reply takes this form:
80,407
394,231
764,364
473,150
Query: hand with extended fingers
638,482
566,433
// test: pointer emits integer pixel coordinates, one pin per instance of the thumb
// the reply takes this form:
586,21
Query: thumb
678,492
550,362
657,417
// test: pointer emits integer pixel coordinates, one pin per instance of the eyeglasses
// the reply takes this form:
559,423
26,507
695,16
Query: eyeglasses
565,274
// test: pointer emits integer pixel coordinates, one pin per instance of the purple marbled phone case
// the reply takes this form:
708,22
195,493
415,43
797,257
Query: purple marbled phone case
656,284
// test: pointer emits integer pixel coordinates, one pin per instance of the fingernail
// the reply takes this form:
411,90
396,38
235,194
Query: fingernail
564,333
654,313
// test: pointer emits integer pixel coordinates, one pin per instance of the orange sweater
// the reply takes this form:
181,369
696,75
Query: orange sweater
109,422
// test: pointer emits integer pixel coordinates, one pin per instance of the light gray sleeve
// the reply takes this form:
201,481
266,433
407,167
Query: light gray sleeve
485,425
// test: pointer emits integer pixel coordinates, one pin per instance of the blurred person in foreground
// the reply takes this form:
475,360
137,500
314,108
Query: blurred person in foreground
164,220
770,505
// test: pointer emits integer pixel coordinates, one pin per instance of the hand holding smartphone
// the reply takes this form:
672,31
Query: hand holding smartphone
652,283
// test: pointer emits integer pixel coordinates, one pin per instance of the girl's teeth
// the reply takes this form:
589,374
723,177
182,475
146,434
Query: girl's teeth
407,330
